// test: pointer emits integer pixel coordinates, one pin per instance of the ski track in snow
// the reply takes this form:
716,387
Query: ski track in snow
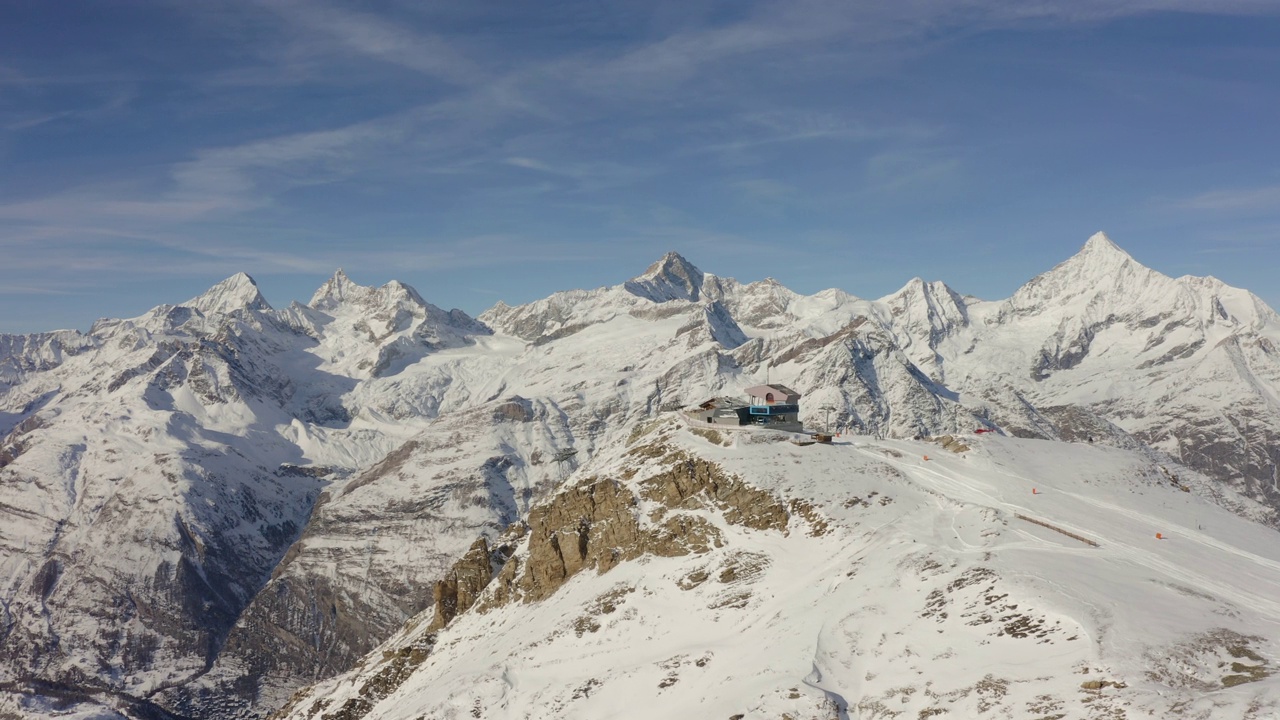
983,495
838,618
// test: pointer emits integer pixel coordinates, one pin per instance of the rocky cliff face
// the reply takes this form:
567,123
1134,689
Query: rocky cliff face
665,502
374,548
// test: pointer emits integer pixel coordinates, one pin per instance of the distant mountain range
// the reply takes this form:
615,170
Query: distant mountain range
208,507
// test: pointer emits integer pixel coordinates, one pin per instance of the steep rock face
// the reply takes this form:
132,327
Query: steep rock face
22,356
872,387
460,588
928,312
137,521
671,278
764,304
543,321
595,524
376,544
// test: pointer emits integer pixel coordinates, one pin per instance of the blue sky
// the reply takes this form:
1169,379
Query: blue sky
505,150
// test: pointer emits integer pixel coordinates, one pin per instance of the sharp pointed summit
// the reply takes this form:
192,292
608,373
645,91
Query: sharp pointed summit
671,278
1101,246
1100,267
1099,256
238,292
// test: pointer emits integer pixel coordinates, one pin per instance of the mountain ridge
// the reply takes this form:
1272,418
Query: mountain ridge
737,575
245,426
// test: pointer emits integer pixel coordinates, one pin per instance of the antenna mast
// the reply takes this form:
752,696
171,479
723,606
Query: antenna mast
561,457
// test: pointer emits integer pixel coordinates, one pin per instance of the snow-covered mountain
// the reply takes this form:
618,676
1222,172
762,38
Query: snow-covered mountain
737,575
206,507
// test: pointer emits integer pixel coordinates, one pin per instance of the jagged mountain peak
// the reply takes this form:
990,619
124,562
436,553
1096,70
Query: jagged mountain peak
920,290
670,278
672,261
334,290
238,292
341,289
914,286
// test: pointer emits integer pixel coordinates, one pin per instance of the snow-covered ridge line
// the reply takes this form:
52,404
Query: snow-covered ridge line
244,468
886,584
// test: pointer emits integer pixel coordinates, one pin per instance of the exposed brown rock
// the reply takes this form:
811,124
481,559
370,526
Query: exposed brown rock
951,443
693,482
598,524
460,587
590,525
514,409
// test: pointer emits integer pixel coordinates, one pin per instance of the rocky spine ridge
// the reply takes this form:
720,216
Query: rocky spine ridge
598,523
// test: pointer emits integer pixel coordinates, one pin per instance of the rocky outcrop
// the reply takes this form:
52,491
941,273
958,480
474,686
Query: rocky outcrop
953,444
603,522
596,524
462,585
693,482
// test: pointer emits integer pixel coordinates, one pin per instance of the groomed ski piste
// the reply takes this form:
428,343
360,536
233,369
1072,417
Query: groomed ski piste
1014,579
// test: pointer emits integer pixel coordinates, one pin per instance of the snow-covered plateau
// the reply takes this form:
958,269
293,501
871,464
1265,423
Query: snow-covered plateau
208,508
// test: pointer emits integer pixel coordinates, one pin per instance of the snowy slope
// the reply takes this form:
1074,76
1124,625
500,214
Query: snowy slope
246,468
1188,365
150,482
142,507
1018,579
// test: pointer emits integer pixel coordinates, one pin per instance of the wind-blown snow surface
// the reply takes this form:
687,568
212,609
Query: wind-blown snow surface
1018,579
207,506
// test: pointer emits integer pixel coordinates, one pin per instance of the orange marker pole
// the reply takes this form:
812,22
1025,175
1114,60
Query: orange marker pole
1159,536
1035,491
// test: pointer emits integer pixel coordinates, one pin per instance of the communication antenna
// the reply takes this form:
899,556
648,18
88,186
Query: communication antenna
368,561
827,421
561,458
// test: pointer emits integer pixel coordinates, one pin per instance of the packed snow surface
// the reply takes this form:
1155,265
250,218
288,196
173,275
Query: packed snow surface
1017,579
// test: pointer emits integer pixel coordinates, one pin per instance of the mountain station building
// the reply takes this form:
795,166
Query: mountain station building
776,407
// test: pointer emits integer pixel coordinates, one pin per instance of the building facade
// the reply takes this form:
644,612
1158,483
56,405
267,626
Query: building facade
776,407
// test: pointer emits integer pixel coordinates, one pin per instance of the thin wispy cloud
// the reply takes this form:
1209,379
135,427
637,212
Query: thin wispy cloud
765,189
899,170
11,289
1236,199
288,137
374,37
586,176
